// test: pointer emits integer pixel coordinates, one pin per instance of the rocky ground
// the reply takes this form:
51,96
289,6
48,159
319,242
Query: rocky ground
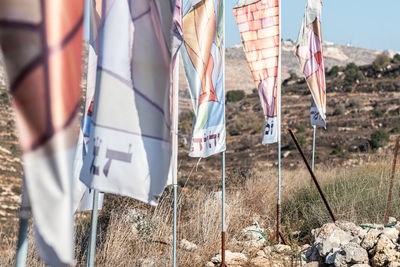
339,244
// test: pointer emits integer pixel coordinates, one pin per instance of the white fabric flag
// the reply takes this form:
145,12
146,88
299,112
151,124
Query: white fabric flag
176,45
130,135
310,56
203,53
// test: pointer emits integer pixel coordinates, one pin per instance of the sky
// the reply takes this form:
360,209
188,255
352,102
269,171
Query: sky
362,23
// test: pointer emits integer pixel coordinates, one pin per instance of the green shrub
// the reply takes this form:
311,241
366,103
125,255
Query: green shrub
236,127
339,150
4,97
395,129
16,190
339,110
301,128
334,71
302,141
381,60
235,95
352,74
396,58
356,103
379,113
379,139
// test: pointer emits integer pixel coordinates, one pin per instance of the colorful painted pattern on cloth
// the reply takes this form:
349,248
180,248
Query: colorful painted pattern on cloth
309,55
42,45
258,23
202,54
129,148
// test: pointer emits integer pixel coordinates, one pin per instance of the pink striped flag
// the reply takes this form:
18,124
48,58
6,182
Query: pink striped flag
258,22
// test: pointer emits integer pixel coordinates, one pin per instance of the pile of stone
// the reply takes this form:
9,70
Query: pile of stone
339,244
255,251
346,244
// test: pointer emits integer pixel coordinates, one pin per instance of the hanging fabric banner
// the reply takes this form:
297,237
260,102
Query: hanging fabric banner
202,55
83,196
130,135
42,46
258,22
174,80
310,57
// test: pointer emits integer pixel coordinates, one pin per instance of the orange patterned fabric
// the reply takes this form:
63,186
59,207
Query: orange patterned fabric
42,45
259,28
43,56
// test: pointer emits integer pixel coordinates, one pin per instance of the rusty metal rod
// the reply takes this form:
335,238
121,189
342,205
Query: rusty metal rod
278,233
389,200
312,175
283,239
223,250
277,222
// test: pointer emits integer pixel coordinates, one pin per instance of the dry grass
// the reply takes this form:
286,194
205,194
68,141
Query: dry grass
133,234
358,195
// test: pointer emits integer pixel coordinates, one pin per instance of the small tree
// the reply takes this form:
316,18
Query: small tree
379,139
353,74
234,95
381,60
396,58
334,71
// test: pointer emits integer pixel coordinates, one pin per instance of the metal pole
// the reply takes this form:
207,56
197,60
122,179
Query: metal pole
279,127
312,175
313,147
93,227
389,200
175,153
93,231
223,153
174,226
22,246
223,211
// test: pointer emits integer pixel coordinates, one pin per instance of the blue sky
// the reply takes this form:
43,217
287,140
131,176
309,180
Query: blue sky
363,23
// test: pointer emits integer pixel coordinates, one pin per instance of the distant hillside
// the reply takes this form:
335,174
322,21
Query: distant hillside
238,76
335,55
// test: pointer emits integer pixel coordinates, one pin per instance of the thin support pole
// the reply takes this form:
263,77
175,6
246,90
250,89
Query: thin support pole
223,153
223,212
22,246
389,200
278,219
278,205
175,89
277,233
174,226
313,147
93,227
312,175
93,231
